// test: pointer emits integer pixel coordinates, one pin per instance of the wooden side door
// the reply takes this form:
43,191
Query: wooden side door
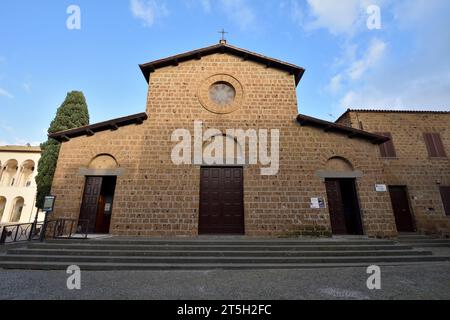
89,206
336,206
445,195
401,208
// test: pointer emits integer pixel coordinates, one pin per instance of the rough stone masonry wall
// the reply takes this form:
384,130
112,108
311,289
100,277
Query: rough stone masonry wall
156,198
413,167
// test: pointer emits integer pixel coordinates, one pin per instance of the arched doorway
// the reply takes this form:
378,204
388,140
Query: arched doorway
17,209
98,197
340,181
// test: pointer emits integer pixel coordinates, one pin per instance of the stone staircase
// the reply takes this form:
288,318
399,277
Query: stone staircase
210,254
423,241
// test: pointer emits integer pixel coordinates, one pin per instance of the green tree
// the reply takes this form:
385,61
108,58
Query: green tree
72,113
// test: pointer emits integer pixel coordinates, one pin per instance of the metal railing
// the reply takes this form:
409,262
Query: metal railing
68,228
58,229
23,232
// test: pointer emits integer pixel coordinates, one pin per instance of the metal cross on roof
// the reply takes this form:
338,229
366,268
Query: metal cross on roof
223,34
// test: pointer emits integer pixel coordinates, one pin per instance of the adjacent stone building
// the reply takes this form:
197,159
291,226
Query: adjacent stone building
416,164
120,176
18,168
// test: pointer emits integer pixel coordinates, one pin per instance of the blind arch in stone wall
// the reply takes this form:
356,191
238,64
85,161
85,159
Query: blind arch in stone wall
338,167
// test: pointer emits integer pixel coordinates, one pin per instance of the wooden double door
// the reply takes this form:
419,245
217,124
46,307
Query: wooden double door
343,204
222,201
96,208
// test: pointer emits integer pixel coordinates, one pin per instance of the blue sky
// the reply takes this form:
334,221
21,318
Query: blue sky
403,65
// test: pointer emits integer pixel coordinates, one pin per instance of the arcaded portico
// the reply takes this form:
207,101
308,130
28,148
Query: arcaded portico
18,165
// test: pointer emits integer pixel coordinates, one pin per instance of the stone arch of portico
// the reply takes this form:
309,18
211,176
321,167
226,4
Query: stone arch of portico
27,169
17,209
9,172
2,206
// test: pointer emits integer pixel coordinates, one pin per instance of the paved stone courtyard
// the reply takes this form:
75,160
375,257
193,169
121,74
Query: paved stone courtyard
431,281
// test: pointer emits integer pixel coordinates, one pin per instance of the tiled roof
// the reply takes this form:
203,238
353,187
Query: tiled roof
390,111
92,129
148,68
341,129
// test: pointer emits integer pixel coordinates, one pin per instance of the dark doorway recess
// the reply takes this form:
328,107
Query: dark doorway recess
97,203
445,195
402,210
345,213
221,201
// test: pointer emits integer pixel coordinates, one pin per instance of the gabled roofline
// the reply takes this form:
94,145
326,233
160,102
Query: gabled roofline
390,111
338,128
92,129
150,67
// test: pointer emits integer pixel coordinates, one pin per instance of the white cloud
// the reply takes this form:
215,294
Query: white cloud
27,86
339,17
206,4
335,84
426,93
296,12
239,12
336,16
148,10
418,78
4,93
356,68
373,56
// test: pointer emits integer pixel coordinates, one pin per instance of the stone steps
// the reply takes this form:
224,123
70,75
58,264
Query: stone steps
220,260
210,254
423,241
206,242
415,236
241,247
189,267
229,253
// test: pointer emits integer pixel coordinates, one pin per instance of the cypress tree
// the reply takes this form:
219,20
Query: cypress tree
72,113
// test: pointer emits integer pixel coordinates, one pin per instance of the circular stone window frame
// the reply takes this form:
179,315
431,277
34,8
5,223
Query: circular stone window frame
210,105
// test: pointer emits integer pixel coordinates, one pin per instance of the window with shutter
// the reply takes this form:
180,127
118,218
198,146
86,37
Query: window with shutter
434,145
387,149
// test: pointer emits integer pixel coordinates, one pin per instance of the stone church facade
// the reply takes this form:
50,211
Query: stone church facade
118,176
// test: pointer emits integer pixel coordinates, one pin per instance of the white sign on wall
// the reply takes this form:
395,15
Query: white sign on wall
318,203
381,188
